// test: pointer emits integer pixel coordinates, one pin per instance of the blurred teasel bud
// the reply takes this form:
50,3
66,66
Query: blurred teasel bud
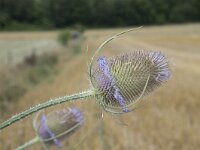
122,80
57,125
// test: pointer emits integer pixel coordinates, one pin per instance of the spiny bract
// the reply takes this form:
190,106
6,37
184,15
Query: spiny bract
122,80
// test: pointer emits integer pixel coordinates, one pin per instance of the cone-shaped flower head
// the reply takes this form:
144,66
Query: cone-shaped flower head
58,125
122,80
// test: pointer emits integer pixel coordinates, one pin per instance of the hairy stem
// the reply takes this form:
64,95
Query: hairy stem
29,143
46,104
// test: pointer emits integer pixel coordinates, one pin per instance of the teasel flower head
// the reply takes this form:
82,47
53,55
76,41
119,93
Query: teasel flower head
121,81
57,125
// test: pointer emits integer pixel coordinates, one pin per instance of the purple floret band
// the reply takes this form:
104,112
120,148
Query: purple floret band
103,64
46,133
77,114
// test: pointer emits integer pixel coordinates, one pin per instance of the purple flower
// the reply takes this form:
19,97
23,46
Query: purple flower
160,61
122,80
58,125
46,133
103,65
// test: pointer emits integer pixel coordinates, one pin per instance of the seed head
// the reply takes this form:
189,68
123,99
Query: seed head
58,125
122,80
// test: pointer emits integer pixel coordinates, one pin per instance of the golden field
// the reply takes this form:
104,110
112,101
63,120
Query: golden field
170,121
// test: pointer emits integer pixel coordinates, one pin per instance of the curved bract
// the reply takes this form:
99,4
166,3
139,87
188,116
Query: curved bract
122,80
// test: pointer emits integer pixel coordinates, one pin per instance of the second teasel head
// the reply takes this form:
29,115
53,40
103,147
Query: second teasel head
120,81
58,125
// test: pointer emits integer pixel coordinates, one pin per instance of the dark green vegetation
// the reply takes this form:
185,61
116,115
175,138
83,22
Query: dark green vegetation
15,81
63,37
71,39
49,14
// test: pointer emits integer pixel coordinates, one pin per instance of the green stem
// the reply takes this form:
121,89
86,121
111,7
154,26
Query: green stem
29,143
49,103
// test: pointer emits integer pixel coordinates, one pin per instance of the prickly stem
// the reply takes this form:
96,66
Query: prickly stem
46,104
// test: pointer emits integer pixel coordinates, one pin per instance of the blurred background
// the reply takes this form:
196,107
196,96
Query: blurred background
43,55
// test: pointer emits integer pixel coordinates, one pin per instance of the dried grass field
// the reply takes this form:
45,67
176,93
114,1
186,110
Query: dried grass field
170,120
16,45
